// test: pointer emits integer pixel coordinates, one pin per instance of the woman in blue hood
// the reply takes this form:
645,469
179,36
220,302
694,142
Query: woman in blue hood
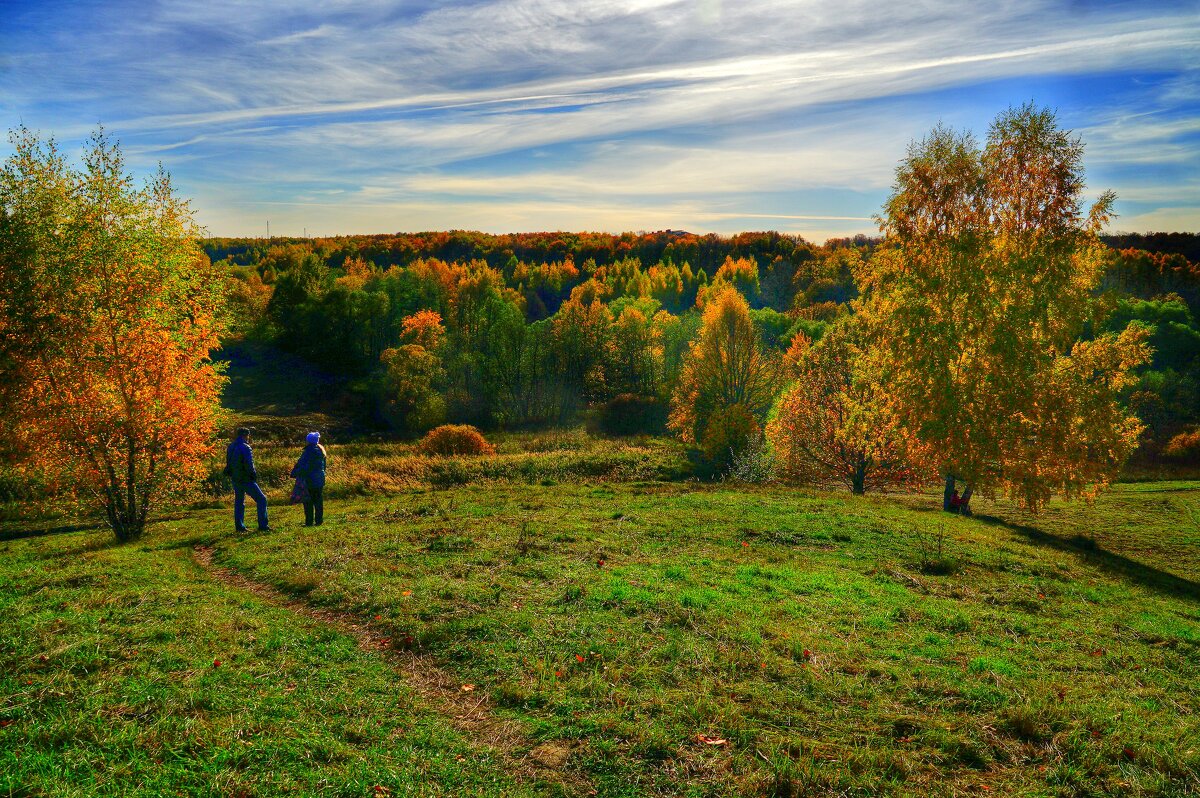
311,468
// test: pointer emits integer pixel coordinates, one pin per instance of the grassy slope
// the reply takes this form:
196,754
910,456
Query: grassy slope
629,619
110,685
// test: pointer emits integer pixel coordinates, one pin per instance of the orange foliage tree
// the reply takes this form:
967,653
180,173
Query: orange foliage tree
976,304
412,373
829,426
728,380
108,312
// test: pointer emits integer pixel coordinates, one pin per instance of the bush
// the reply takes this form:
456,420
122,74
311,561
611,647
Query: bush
1184,447
755,463
451,439
726,436
630,414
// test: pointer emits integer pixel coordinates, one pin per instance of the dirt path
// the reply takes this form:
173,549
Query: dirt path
469,711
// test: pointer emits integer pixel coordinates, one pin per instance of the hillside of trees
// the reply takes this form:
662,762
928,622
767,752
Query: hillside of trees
989,338
521,330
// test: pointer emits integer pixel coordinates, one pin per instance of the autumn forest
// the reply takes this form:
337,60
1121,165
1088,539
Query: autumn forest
654,513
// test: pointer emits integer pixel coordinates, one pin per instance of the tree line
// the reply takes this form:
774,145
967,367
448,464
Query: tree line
502,341
989,338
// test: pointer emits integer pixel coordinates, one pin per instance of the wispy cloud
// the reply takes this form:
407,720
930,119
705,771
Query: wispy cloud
319,32
595,112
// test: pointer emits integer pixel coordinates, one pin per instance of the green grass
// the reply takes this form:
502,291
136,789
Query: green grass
128,671
837,646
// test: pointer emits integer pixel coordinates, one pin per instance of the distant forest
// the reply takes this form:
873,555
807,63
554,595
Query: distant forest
534,329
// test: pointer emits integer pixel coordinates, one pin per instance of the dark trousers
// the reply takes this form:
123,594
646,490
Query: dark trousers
314,506
240,491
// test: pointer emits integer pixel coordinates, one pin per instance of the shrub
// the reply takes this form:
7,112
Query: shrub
755,463
726,436
630,414
451,439
1184,447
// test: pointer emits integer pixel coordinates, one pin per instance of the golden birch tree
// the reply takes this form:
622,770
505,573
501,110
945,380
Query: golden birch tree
728,381
976,303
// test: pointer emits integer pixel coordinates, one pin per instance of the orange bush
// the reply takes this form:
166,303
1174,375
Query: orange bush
1184,446
451,439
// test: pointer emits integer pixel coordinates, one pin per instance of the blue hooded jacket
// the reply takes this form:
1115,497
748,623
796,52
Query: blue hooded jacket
311,466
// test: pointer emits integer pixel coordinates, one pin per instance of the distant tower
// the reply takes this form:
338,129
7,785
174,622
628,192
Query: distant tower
268,229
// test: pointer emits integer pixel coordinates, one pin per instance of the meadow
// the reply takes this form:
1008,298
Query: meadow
570,617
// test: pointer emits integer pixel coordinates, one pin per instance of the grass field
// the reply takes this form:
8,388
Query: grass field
625,636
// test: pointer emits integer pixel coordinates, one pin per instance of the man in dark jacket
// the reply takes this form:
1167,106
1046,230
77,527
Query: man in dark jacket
239,467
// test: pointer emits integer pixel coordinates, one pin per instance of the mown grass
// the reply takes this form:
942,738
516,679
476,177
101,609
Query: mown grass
686,639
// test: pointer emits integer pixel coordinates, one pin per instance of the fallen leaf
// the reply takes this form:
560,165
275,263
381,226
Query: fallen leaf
216,663
704,738
580,657
406,593
466,688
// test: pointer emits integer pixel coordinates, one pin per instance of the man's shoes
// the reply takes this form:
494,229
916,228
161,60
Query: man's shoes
240,529
266,529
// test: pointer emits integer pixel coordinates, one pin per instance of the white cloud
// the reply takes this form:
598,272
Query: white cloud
1179,219
632,104
319,32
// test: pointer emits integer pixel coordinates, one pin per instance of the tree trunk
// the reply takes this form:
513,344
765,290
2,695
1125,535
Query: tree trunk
964,502
858,481
948,495
126,523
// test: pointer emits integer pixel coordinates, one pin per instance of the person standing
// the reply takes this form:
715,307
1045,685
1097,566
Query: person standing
311,468
239,467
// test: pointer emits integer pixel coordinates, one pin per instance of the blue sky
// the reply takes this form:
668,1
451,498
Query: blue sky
515,115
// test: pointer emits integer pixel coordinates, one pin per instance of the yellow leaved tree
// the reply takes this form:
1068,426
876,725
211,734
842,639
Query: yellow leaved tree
832,424
976,308
728,381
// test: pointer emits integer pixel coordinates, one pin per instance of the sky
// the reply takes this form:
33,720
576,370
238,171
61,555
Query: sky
347,116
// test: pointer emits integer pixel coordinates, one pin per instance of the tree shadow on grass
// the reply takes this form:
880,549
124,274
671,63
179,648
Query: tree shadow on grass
1146,575
62,529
